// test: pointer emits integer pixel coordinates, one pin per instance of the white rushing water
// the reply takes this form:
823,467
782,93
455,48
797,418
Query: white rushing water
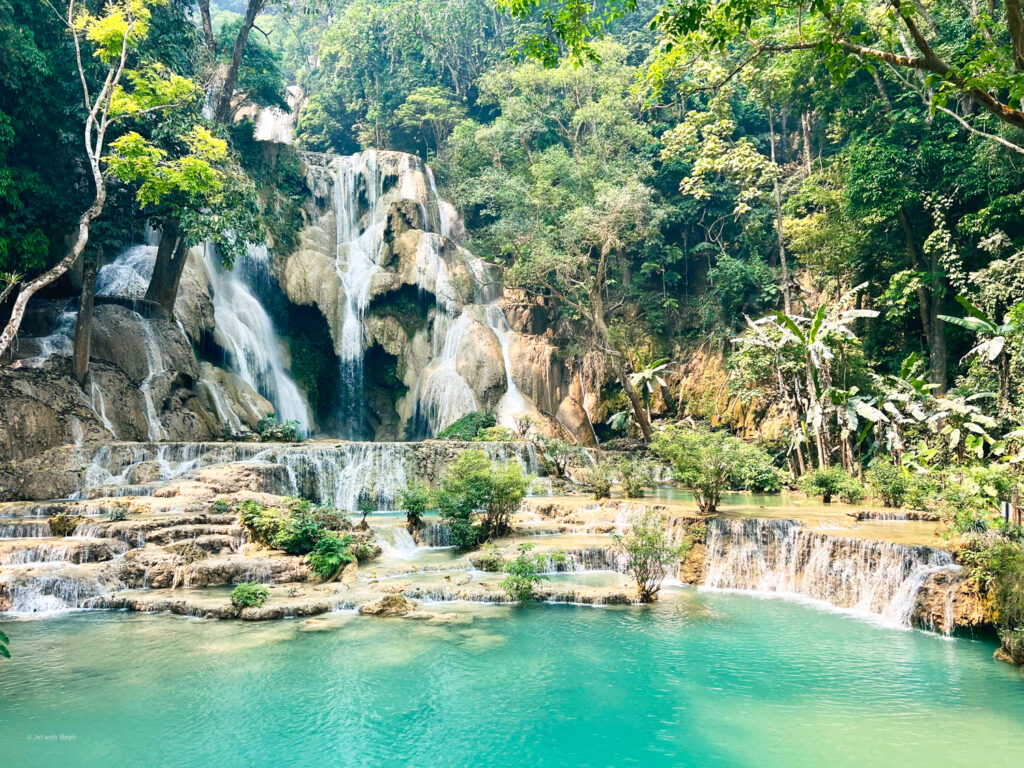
442,396
778,557
246,332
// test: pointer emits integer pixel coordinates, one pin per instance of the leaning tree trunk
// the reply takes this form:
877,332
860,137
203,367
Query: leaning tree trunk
223,113
930,305
83,323
170,263
33,286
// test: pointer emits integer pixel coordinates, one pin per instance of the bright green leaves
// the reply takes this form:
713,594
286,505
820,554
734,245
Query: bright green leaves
574,23
122,25
134,159
152,87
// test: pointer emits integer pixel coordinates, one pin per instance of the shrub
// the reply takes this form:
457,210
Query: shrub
495,434
889,482
752,470
117,514
365,504
365,550
829,482
599,478
637,475
263,524
415,500
700,460
490,560
270,431
221,506
468,427
249,594
477,497
559,455
648,553
299,535
526,571
330,554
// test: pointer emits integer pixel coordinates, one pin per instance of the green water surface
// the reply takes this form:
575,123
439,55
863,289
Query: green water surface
701,679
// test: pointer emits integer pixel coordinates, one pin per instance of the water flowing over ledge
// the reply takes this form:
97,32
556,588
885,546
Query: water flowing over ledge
340,473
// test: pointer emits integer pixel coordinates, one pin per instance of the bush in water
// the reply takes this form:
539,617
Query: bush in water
249,594
648,553
830,482
889,482
599,478
526,571
477,497
416,499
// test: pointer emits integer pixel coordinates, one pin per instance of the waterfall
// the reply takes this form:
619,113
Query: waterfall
129,274
60,342
48,590
512,403
398,543
246,332
779,557
442,396
99,404
155,367
435,535
25,529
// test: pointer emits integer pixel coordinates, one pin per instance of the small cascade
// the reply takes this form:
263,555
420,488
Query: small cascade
587,559
25,529
128,275
435,535
45,590
246,333
155,367
442,395
512,403
99,405
779,557
343,474
398,543
60,342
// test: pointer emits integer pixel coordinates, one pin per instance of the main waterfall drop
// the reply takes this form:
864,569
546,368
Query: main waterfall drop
400,291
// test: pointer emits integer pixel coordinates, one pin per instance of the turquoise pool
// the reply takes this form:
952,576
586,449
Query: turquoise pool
701,679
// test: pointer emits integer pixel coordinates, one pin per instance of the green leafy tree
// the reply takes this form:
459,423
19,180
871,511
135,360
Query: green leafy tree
477,497
526,571
702,460
648,553
432,112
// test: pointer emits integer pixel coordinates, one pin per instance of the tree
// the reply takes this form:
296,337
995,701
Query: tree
113,36
416,499
828,482
526,571
477,497
702,460
648,553
433,112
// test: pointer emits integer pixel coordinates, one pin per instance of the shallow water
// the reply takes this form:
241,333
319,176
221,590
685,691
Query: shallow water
703,678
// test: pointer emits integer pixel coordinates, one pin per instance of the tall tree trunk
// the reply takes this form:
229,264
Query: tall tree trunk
805,123
1015,22
208,38
787,303
170,263
634,399
930,305
83,323
227,92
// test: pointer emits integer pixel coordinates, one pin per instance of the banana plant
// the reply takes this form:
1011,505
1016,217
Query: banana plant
963,425
650,377
851,409
992,346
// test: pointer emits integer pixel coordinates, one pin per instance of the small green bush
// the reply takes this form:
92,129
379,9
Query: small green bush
270,431
637,476
118,514
416,499
330,554
752,469
831,482
299,535
889,482
495,434
477,497
526,571
249,594
264,525
489,560
599,478
468,427
221,506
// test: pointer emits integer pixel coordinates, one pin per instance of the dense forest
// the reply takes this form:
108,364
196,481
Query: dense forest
798,221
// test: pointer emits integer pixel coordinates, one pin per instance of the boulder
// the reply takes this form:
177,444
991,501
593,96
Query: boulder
389,605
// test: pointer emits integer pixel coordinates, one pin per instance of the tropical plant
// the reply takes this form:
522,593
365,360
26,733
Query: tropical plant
331,553
476,497
992,344
889,482
636,475
701,460
526,571
599,478
271,431
648,553
468,427
117,514
299,535
249,594
561,454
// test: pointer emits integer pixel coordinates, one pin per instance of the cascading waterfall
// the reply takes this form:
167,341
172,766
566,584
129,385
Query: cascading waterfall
357,254
246,332
442,396
779,557
397,542
512,403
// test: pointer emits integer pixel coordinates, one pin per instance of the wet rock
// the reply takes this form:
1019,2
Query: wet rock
389,605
